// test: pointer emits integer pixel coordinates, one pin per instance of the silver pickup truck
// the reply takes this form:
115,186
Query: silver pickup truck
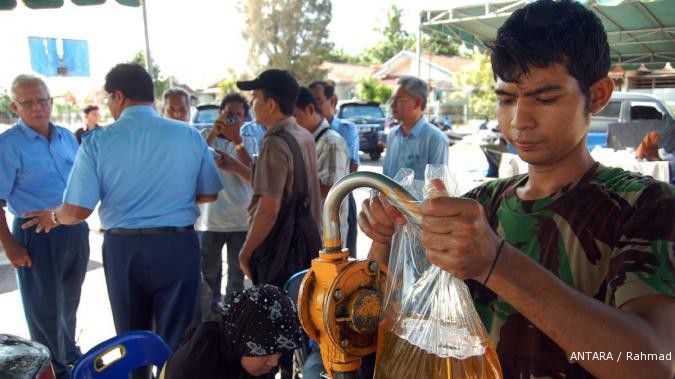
637,114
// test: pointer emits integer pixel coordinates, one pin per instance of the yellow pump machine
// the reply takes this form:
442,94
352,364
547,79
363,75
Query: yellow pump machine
340,298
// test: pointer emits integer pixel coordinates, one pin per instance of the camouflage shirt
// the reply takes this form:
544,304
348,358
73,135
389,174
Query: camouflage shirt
610,235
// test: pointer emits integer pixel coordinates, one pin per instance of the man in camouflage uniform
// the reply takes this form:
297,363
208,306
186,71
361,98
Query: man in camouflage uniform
587,263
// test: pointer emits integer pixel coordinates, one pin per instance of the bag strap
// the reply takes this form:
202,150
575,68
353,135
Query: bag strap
321,133
299,174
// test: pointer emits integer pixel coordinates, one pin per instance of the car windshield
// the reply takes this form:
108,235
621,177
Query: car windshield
362,111
611,110
206,116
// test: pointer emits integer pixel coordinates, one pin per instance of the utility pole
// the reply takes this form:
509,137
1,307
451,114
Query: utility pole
148,57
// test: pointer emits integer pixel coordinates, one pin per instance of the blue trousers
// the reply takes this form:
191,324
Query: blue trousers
211,244
152,280
50,289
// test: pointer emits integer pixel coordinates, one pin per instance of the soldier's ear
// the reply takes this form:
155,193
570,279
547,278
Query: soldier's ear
601,92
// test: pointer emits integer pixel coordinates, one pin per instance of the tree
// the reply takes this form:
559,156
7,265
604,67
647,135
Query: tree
395,39
440,44
339,56
288,34
370,89
160,84
479,83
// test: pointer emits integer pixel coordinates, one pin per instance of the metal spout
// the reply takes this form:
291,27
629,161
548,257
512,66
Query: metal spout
399,196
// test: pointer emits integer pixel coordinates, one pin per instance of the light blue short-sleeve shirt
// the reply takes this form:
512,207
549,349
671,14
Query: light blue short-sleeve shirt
350,132
425,144
252,134
146,170
34,169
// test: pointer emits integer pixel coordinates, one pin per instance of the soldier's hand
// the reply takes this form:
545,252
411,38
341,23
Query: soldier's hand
458,237
377,219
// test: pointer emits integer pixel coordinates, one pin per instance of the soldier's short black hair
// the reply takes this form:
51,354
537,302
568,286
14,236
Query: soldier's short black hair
547,32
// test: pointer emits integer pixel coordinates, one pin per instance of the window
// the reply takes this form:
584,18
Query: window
612,110
644,110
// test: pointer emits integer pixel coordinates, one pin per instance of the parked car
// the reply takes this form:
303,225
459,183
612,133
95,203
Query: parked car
205,116
370,119
628,108
24,359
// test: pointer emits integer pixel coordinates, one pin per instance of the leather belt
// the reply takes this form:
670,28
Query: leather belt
150,231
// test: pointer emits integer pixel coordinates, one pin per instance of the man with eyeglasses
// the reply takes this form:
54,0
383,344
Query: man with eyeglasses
149,173
415,142
37,157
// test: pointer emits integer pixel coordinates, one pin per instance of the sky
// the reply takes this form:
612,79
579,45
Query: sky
197,41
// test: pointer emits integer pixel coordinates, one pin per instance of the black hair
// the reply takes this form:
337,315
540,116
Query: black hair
547,32
305,98
90,108
327,85
132,80
235,97
285,107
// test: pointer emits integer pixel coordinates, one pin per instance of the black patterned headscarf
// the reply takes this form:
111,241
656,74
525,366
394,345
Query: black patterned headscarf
260,321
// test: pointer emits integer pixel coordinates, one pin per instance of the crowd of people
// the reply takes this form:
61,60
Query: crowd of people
572,256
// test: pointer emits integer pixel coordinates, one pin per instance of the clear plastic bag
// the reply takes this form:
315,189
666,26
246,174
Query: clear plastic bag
429,327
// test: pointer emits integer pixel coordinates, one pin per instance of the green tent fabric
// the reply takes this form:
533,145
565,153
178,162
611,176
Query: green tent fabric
638,31
50,4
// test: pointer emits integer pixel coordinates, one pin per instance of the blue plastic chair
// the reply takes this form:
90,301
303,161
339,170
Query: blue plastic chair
118,356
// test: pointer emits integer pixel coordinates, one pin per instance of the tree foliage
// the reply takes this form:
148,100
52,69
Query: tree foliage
370,89
339,56
160,84
479,82
395,39
439,44
288,34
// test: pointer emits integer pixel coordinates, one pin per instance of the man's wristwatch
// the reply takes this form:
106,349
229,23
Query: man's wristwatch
52,216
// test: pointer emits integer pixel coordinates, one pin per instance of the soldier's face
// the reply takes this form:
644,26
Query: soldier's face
544,115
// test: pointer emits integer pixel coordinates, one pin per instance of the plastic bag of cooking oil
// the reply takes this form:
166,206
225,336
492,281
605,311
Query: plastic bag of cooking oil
429,326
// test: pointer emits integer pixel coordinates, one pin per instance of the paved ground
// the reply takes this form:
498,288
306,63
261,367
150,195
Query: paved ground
94,317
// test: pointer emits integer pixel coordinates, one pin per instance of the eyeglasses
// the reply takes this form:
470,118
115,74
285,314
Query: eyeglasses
107,98
42,103
396,99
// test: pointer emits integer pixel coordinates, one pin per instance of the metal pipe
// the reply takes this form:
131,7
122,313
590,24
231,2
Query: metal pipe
406,202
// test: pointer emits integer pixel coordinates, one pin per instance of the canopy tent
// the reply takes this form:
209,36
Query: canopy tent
49,4
6,5
638,31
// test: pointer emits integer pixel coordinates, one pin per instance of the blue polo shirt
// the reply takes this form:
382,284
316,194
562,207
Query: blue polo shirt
145,170
34,170
350,132
252,134
425,144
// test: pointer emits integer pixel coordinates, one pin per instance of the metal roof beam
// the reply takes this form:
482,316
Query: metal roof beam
596,9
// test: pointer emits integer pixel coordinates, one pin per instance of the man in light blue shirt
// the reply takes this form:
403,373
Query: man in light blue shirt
149,173
415,142
36,158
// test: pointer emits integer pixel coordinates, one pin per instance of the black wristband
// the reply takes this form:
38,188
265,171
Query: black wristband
494,263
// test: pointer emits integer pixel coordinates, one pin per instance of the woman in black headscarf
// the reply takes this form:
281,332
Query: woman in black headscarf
257,326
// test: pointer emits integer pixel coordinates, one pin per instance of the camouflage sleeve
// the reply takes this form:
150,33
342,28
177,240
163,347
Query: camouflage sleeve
643,259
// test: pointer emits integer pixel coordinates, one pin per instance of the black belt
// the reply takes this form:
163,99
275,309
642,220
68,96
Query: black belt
150,231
